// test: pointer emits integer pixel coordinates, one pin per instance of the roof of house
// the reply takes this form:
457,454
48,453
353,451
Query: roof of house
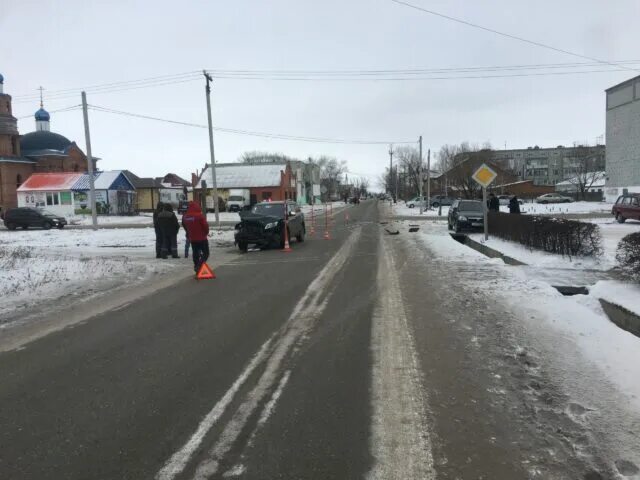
104,181
139,182
43,140
242,175
599,180
175,180
49,182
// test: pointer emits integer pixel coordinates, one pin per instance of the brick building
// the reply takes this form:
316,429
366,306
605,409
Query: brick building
38,151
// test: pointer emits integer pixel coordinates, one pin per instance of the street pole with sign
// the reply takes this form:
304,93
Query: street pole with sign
484,176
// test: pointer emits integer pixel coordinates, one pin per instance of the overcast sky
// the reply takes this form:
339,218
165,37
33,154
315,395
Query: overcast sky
63,44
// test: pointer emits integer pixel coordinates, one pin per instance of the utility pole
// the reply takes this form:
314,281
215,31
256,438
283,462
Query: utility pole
391,170
92,187
214,182
420,174
429,178
397,181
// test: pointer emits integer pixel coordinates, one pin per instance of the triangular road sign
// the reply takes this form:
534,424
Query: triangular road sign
205,273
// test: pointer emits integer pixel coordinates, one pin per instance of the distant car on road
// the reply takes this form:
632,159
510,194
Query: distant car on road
263,226
627,207
553,198
443,200
416,201
465,215
505,199
25,217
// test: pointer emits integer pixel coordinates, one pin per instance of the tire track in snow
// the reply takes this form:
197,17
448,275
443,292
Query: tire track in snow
400,437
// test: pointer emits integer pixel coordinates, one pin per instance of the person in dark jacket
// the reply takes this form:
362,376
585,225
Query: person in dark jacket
169,226
197,228
514,205
494,203
158,209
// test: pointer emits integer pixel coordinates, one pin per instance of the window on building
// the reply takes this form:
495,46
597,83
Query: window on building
52,198
65,198
18,180
266,195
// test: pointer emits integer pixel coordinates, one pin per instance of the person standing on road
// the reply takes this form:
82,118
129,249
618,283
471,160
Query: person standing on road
197,228
494,203
169,227
158,209
514,205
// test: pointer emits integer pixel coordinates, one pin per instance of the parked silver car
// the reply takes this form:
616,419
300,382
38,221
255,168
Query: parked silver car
553,198
416,201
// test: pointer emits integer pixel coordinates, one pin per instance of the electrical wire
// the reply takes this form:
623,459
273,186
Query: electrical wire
279,136
67,109
399,79
121,84
513,37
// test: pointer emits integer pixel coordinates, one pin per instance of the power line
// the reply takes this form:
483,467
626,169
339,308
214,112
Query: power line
398,79
112,89
513,37
279,136
123,83
67,109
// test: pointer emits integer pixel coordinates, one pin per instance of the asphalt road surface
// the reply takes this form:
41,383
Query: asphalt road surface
341,360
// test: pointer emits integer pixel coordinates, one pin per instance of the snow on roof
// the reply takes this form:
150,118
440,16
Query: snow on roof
599,179
49,182
245,176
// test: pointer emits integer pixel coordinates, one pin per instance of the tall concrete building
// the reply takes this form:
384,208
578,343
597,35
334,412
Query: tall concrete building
550,166
623,138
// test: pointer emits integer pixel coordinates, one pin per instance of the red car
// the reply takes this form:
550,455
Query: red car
627,207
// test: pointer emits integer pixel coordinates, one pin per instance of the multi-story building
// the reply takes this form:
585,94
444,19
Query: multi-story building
549,166
623,138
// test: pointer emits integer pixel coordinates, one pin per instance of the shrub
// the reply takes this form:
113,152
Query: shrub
554,235
628,255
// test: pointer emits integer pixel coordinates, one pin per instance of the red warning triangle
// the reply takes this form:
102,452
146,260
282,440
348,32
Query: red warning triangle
205,273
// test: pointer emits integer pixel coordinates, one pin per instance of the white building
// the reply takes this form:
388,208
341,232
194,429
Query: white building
623,139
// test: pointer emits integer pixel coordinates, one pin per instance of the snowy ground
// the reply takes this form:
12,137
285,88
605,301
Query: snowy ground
37,266
594,361
401,209
147,218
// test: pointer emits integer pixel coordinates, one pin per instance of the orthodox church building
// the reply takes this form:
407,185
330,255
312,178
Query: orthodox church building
40,151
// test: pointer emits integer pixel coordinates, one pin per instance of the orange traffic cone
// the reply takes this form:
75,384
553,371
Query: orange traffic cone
287,247
326,235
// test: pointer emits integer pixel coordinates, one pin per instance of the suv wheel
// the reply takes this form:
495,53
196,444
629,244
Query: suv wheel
46,225
435,204
11,226
456,227
24,227
243,246
620,218
300,236
411,205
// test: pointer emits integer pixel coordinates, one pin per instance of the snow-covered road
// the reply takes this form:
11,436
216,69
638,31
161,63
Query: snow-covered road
579,371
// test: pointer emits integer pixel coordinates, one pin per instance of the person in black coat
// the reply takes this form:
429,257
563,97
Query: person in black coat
494,203
159,208
169,227
514,205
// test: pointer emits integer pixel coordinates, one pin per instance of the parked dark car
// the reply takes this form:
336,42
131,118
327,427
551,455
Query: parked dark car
25,217
263,226
465,215
443,200
627,207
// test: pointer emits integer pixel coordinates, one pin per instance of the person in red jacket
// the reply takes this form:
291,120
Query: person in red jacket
197,228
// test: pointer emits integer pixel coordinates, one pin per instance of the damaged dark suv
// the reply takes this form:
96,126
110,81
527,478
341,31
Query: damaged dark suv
263,226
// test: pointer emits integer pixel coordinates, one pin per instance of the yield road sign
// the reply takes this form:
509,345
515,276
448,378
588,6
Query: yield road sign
484,175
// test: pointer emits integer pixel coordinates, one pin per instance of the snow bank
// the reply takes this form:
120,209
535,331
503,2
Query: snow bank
563,208
622,294
579,319
401,209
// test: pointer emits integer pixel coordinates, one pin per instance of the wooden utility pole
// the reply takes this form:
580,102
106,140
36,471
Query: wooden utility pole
92,187
214,183
420,174
429,179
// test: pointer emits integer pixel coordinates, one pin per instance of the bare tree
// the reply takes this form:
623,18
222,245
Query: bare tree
585,168
257,156
331,171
